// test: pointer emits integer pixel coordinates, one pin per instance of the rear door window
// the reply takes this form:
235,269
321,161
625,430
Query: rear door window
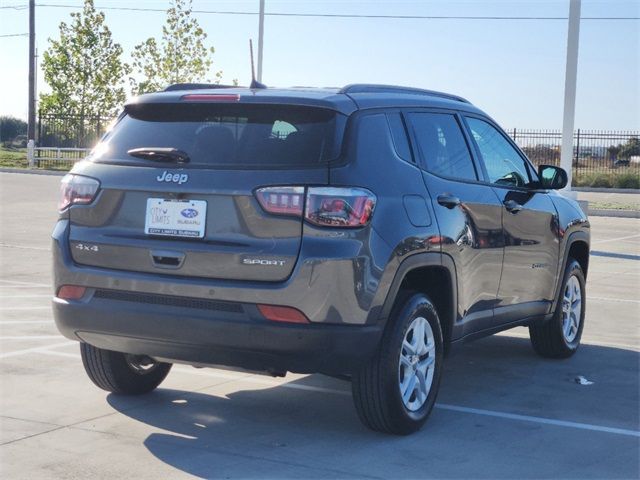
227,135
442,145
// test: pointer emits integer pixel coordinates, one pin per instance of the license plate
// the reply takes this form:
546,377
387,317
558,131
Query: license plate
175,218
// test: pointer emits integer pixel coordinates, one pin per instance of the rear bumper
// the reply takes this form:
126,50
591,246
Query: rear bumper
194,336
216,322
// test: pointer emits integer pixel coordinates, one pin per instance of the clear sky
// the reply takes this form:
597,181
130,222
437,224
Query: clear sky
513,69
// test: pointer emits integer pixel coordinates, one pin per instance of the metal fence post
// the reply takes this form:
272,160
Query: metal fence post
577,147
31,159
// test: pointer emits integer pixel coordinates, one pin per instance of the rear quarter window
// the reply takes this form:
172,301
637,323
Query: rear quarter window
227,135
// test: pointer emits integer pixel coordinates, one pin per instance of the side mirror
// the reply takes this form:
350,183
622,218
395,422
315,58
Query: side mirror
551,177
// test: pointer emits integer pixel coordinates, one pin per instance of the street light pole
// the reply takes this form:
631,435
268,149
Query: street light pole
260,39
570,80
31,129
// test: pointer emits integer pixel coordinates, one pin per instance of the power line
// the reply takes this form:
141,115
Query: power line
336,15
14,35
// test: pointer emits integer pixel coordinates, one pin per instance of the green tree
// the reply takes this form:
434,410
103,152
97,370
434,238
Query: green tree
180,56
631,148
542,154
613,151
84,68
11,127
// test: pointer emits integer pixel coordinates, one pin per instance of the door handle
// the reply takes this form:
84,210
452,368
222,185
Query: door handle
512,206
448,200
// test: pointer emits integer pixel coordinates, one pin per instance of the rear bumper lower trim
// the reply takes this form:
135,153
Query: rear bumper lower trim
186,335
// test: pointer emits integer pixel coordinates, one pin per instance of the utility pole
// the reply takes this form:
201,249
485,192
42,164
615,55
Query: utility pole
260,39
31,130
570,80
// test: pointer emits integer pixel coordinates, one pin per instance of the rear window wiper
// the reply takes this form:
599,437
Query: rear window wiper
160,154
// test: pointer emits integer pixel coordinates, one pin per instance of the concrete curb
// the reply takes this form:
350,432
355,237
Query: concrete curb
32,171
614,213
604,190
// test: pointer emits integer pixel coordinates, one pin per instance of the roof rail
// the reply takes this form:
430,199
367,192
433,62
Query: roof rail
373,88
195,86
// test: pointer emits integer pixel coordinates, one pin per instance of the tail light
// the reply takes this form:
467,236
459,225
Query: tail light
282,200
210,97
339,207
77,190
322,206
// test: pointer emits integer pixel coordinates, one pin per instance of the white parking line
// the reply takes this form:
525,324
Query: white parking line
25,286
29,337
583,341
8,309
250,378
614,239
608,299
34,350
545,421
25,247
60,354
605,272
25,296
25,322
17,283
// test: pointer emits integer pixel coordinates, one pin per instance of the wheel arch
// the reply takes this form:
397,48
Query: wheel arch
433,274
577,247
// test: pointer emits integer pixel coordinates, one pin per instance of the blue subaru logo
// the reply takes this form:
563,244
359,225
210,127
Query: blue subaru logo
189,213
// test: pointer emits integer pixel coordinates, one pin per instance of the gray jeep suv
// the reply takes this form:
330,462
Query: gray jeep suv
360,232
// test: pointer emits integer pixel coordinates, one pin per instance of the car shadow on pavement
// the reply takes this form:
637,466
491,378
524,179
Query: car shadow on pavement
281,432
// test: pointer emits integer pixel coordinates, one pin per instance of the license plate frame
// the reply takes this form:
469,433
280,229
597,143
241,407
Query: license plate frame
175,218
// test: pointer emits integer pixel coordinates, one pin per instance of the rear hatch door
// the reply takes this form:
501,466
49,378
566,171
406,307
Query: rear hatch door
197,213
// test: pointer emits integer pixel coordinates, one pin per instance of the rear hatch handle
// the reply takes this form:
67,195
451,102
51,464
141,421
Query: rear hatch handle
167,259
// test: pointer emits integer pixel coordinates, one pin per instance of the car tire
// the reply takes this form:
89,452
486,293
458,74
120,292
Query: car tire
560,336
405,362
120,372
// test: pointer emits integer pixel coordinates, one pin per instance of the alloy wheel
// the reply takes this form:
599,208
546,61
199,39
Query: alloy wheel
417,364
571,309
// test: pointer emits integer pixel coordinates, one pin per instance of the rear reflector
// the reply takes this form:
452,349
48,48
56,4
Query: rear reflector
282,314
71,292
210,97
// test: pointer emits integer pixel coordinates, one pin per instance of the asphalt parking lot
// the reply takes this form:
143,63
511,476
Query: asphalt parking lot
502,411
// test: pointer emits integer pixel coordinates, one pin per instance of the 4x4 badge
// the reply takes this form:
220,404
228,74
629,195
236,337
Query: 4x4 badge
86,247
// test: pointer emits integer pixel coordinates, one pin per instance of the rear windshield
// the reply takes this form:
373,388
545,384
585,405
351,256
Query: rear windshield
226,135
